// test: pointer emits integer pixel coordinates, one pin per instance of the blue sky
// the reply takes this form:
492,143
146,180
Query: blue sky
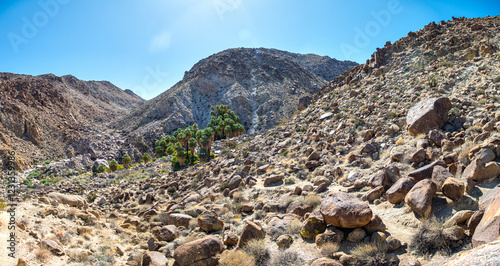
147,45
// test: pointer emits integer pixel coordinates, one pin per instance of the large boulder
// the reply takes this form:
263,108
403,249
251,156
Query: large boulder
425,172
397,192
419,198
153,258
439,175
201,252
312,226
165,233
488,229
428,114
55,198
209,222
273,179
298,208
344,210
179,219
453,188
250,231
480,171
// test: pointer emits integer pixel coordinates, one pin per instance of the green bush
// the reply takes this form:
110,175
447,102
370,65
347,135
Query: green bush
146,158
113,165
126,160
101,168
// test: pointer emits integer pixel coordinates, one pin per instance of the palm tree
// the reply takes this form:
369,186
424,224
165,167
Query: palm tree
126,160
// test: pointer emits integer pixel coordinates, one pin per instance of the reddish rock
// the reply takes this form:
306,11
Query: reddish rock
419,156
209,221
425,172
479,171
344,210
474,220
431,113
397,192
153,258
374,193
439,175
375,224
250,231
273,179
201,251
419,198
378,179
312,226
298,208
453,188
488,229
165,233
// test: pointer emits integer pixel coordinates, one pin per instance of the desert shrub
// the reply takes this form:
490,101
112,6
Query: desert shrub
224,185
286,257
101,168
113,165
290,181
371,254
463,156
146,157
236,257
295,227
258,249
430,239
313,200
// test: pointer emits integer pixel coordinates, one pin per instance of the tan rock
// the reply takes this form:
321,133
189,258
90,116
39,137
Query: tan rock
479,171
209,222
419,198
344,210
397,192
201,251
250,231
453,188
431,113
313,226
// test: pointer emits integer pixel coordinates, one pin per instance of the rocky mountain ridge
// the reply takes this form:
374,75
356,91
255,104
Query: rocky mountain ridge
262,86
47,117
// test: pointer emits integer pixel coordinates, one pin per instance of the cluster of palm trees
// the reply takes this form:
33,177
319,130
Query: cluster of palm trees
225,122
182,144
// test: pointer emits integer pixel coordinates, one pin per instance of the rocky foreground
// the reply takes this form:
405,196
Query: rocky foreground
397,162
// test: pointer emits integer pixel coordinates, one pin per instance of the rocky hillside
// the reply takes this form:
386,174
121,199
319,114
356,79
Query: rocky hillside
396,162
262,86
47,117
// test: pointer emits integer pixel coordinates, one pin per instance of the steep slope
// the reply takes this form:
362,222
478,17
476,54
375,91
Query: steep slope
262,86
44,117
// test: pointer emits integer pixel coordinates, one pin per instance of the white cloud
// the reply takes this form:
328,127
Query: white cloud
160,42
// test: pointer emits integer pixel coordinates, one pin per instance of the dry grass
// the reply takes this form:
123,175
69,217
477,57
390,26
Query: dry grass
313,200
295,227
236,257
430,239
259,250
463,155
371,254
286,257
